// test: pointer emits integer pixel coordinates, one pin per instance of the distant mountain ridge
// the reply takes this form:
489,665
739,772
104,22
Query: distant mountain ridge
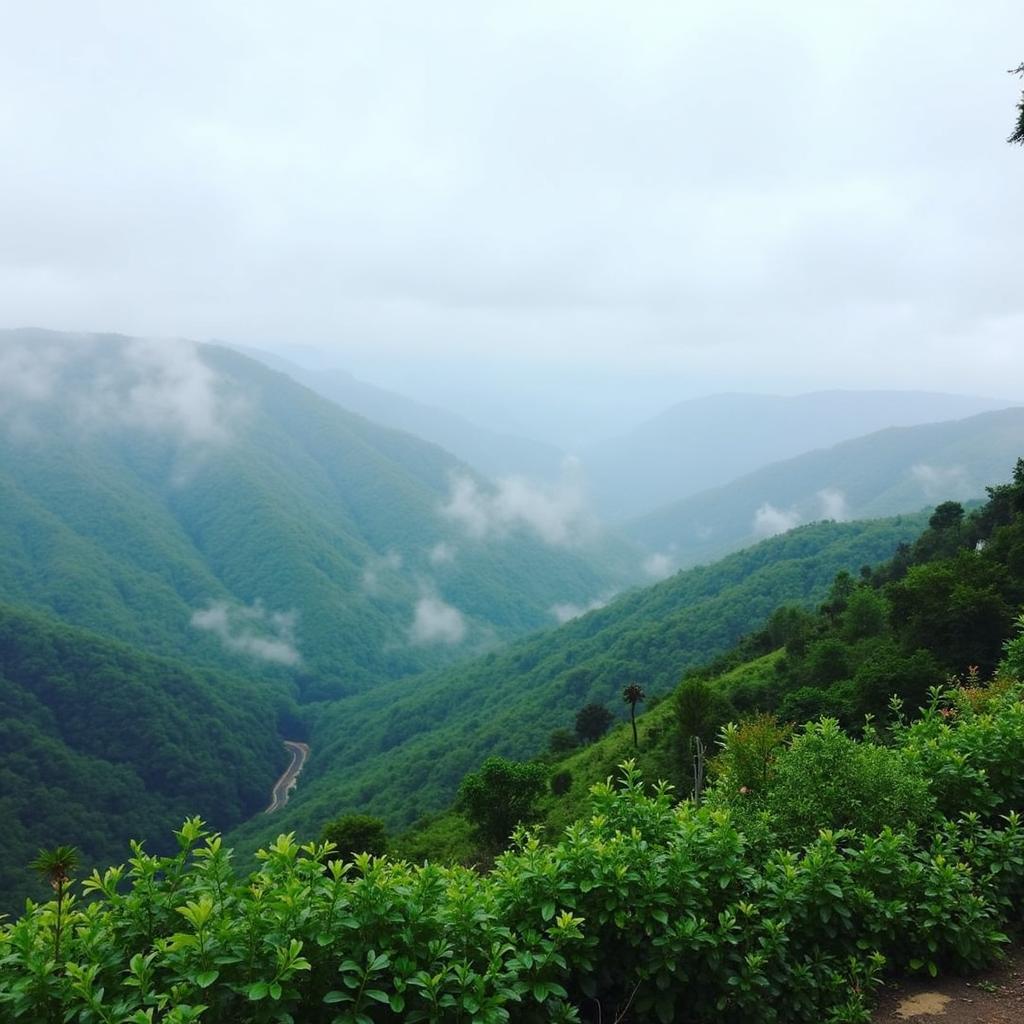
900,469
488,451
706,442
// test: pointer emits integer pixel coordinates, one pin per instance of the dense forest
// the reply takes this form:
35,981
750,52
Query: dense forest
811,862
100,743
401,749
293,539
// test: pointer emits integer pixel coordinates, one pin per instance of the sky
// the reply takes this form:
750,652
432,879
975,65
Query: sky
554,217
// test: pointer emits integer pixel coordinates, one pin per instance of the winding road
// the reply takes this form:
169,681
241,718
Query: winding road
285,784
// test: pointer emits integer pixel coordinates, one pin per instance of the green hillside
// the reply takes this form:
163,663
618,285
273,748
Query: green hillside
402,749
142,486
885,473
100,743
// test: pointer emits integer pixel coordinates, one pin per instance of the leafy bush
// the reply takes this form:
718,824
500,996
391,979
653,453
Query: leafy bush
356,833
499,796
826,780
647,910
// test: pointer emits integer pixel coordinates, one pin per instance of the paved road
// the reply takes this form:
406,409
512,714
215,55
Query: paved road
285,784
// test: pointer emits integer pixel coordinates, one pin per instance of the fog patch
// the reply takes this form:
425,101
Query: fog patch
442,553
103,383
770,521
833,505
252,630
658,565
567,611
436,622
375,568
942,481
556,513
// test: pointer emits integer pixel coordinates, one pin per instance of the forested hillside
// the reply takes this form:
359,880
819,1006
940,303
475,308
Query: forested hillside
192,502
402,749
887,472
100,743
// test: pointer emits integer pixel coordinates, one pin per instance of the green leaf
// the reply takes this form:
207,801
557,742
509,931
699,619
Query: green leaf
375,993
258,990
547,911
206,978
335,996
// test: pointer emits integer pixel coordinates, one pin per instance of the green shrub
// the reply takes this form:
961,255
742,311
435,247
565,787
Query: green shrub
648,910
501,795
826,780
356,833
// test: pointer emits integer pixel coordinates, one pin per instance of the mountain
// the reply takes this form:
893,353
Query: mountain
188,500
896,470
706,442
100,743
402,749
490,452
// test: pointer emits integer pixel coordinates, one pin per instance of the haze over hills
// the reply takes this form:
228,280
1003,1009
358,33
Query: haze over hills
193,502
491,452
706,442
896,470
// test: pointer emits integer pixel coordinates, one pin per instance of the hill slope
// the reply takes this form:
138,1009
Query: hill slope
885,473
706,442
99,744
402,749
188,500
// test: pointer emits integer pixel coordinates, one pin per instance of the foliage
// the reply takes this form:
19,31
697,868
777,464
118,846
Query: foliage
499,796
99,742
749,751
1017,135
592,722
356,833
826,780
415,743
645,910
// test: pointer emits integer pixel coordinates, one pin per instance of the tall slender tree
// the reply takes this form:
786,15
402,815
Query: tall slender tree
55,867
633,695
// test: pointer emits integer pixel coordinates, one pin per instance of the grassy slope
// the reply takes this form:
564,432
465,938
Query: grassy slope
402,750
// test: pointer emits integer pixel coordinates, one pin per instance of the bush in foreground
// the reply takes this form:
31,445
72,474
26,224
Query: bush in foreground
648,910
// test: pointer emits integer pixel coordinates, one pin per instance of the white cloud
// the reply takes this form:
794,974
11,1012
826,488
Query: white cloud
942,481
441,553
252,630
376,567
555,512
658,565
127,383
434,621
567,611
769,520
833,505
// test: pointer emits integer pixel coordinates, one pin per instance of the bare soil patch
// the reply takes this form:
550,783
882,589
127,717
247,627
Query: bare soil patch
995,997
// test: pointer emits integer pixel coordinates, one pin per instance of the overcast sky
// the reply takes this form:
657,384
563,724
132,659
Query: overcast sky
614,204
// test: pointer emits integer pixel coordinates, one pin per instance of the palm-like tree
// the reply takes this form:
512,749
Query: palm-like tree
55,867
633,695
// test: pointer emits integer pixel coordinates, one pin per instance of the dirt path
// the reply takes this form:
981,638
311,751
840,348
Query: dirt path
995,997
285,784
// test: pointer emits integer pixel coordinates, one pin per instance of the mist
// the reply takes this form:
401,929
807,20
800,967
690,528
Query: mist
553,218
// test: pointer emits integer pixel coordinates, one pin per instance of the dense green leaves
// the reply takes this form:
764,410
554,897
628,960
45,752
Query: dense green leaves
646,910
